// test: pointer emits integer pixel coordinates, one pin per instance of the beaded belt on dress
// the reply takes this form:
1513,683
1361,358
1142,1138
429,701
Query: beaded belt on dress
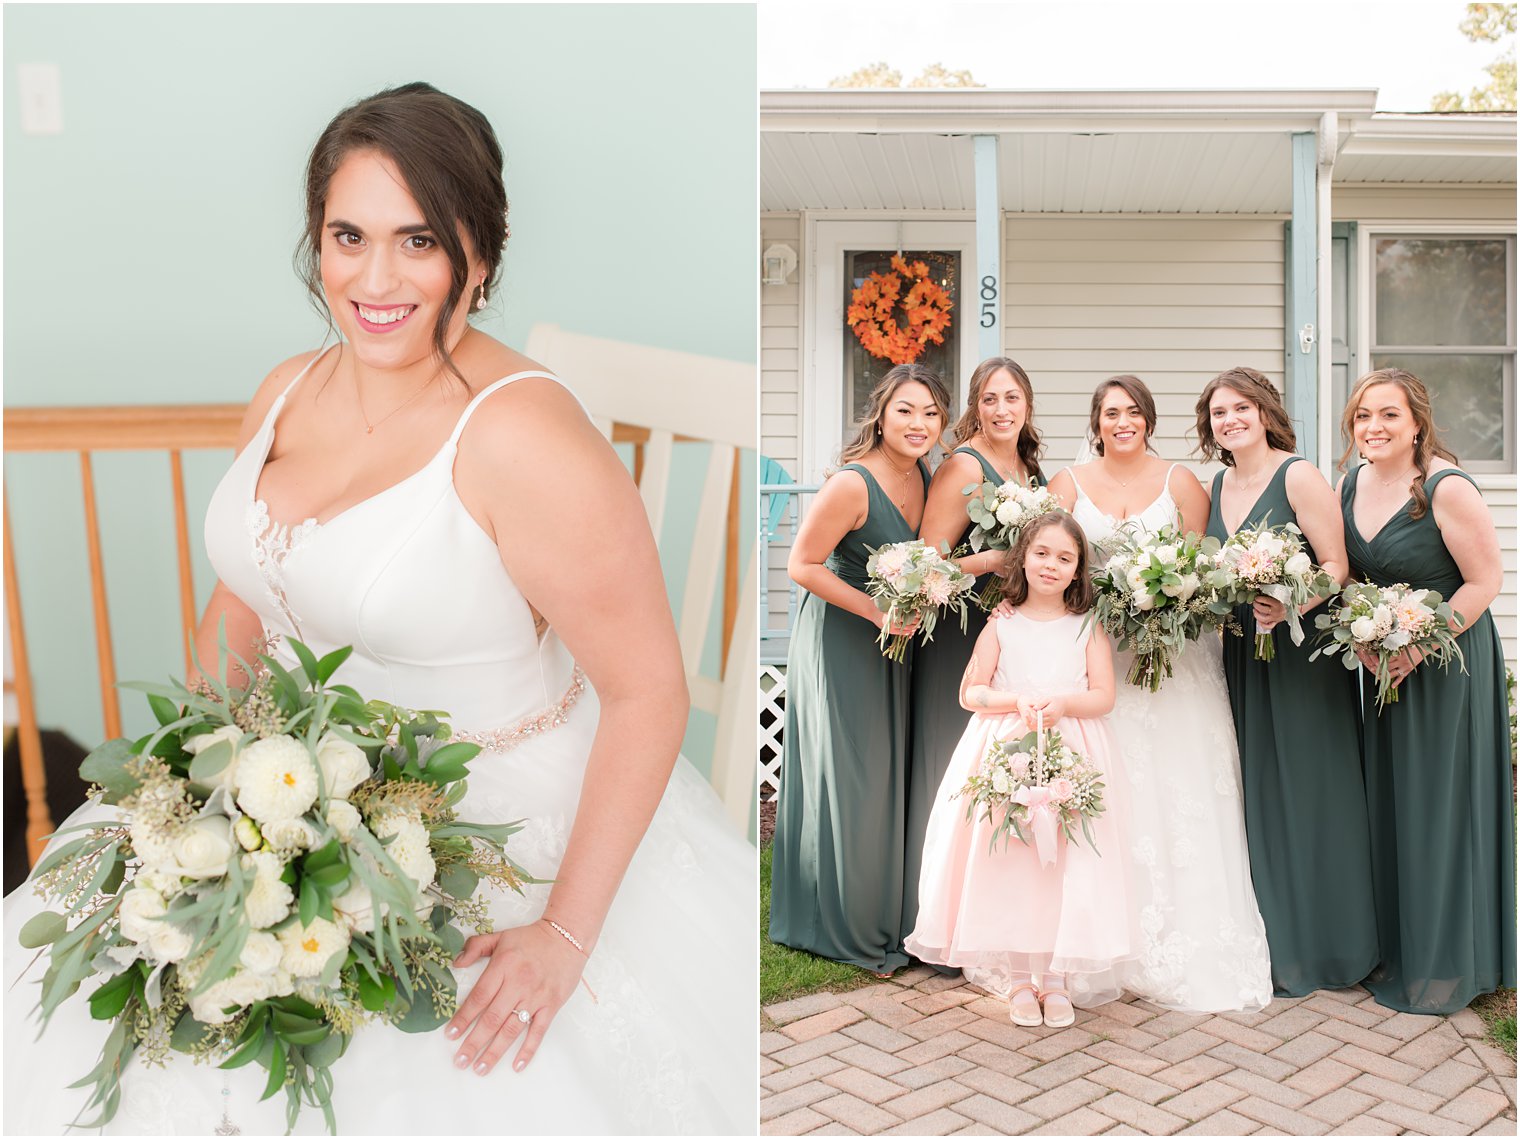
525,729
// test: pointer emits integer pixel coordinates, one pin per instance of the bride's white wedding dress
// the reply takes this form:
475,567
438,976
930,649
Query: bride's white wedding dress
410,580
1203,944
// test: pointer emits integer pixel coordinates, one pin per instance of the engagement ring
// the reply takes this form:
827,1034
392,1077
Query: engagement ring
523,1015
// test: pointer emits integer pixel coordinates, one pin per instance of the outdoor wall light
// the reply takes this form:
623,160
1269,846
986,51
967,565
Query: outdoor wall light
779,260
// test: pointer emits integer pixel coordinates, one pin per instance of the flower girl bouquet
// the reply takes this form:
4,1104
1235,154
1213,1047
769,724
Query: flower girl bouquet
288,865
1269,561
911,579
998,515
1033,787
1151,598
1387,620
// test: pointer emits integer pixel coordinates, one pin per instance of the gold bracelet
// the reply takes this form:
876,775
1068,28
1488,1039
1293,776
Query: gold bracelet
579,948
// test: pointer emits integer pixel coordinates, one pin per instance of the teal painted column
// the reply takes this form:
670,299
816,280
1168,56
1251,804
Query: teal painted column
1301,302
989,249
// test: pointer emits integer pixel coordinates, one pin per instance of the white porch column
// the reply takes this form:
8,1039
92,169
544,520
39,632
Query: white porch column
1329,140
1302,316
988,287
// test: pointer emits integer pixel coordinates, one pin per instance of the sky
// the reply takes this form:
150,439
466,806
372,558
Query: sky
1408,51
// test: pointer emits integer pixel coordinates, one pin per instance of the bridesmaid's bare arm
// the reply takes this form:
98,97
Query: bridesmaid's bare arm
1467,528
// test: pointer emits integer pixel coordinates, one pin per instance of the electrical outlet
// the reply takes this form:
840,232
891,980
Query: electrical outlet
41,91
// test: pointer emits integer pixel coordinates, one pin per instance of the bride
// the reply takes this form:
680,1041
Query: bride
1204,946
406,492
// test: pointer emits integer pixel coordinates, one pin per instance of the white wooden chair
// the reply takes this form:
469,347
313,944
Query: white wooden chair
655,399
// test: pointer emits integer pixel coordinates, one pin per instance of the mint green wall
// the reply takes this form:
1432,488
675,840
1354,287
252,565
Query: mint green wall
147,248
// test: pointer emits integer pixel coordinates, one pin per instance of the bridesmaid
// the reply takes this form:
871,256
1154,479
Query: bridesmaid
1437,762
837,871
998,443
1300,736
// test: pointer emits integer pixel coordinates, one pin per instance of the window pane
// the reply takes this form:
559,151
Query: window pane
861,369
1468,395
1438,291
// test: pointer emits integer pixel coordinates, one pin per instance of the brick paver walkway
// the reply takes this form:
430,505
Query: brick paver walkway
929,1055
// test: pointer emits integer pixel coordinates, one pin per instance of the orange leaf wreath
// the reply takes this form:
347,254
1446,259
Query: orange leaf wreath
925,312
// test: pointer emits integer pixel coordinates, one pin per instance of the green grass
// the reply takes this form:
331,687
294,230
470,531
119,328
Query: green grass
786,973
1498,1012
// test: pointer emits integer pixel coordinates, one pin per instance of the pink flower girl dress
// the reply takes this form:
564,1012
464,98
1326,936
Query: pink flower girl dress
1002,914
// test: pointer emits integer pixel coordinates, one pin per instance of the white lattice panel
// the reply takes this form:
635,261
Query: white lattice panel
772,726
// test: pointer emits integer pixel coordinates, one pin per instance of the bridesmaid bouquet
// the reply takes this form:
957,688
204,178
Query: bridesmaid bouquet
998,515
1033,787
1268,561
288,865
1386,620
1151,598
911,579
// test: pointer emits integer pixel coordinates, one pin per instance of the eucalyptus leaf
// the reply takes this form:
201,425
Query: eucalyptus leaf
42,929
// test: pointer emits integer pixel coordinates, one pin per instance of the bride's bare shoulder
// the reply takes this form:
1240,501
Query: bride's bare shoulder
270,389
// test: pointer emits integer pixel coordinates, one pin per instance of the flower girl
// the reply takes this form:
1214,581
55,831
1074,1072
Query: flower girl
1042,935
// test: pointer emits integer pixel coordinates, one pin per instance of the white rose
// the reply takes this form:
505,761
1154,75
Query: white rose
160,882
1190,584
1272,545
1362,628
1166,555
276,780
356,907
1143,600
1116,566
290,835
261,953
343,817
1298,565
202,848
344,765
1135,577
233,735
169,943
1172,589
308,948
1000,782
241,990
139,913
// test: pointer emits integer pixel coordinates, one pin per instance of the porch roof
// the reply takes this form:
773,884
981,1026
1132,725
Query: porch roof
1092,151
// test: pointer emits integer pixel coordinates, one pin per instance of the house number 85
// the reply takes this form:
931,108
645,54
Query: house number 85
989,301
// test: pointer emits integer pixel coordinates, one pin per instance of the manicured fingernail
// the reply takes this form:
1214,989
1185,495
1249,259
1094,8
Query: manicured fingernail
462,1060
480,1068
452,1032
519,1064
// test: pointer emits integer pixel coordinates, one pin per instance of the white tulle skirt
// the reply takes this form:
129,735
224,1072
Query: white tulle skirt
669,1047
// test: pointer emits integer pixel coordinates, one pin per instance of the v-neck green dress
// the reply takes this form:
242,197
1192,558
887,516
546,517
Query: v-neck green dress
1439,791
1301,778
837,856
937,720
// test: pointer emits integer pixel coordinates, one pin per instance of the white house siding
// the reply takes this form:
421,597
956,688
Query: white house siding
1445,206
1173,300
781,385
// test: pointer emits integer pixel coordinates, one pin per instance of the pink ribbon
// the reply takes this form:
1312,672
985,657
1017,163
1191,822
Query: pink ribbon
1042,817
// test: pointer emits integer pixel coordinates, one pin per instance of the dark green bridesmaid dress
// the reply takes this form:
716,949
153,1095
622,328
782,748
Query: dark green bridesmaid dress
1301,778
937,720
837,856
1439,792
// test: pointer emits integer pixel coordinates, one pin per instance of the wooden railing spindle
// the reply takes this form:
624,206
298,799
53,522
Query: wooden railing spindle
39,821
182,544
110,701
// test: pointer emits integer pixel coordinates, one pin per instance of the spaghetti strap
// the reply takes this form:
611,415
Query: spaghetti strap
302,373
530,373
1072,471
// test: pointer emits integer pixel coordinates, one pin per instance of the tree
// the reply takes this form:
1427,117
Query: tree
1487,23
880,75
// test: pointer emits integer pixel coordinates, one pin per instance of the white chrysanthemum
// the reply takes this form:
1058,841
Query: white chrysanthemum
356,907
1008,513
139,913
290,835
238,991
1172,589
231,734
307,948
277,780
344,765
262,952
1135,577
409,848
201,848
343,817
160,882
268,898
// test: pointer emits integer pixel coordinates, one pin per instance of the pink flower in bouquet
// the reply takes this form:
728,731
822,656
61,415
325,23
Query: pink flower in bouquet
1411,617
1061,790
1256,564
891,564
937,587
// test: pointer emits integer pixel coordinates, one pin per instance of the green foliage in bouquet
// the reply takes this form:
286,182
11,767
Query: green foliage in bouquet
1387,620
288,865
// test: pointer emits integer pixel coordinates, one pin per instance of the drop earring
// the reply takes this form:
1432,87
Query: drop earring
480,302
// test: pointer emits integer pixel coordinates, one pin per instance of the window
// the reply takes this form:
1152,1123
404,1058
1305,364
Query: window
861,369
1443,307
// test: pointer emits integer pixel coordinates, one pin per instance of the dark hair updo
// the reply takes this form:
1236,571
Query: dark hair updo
449,160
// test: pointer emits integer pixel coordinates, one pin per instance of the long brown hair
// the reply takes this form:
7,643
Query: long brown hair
1427,440
450,162
1135,388
1079,594
868,429
1255,387
970,424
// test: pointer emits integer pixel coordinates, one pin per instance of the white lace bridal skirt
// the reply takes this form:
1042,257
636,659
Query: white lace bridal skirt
669,1047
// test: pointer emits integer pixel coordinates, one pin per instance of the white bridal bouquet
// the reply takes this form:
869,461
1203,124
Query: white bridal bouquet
1032,787
288,865
1151,598
998,515
1268,561
1387,620
911,579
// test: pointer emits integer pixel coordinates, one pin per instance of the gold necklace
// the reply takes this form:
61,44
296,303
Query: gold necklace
1396,480
1241,486
904,483
369,428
